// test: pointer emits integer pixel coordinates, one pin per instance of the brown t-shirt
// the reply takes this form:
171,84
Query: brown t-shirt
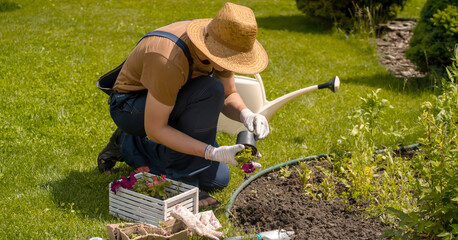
159,65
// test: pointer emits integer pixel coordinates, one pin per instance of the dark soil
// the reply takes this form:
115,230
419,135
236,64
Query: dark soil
270,203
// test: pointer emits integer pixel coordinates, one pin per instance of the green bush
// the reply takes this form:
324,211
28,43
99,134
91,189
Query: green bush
436,166
344,12
435,35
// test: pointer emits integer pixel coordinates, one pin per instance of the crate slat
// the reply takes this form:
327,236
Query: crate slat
136,209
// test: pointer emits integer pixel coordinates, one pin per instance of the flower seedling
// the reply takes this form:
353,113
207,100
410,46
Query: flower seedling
154,187
245,158
126,182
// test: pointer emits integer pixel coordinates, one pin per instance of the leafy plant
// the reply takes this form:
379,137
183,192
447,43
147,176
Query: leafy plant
435,36
358,169
245,156
6,5
154,187
436,167
343,12
284,172
325,190
305,175
376,179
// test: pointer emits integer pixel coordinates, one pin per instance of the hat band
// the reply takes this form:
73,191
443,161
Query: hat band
225,43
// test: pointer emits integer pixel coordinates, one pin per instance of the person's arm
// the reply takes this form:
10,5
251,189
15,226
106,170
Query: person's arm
235,109
233,104
158,129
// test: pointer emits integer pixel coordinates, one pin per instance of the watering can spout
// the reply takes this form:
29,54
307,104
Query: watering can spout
272,107
333,85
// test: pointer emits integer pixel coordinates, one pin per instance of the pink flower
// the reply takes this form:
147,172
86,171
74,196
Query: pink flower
248,167
155,181
143,169
163,178
115,185
129,182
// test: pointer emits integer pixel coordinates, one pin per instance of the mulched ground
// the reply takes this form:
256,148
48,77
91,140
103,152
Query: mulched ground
270,203
391,47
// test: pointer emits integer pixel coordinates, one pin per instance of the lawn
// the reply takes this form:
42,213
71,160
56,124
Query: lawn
54,121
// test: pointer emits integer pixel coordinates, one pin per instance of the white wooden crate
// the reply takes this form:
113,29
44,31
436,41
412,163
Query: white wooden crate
132,206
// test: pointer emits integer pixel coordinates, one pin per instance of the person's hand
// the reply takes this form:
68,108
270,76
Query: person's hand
194,224
224,154
255,122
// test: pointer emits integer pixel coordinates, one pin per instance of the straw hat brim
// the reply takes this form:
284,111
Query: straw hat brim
250,62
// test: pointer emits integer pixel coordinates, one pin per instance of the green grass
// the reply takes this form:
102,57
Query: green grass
54,122
412,9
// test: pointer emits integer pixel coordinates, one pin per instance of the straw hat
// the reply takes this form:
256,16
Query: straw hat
229,39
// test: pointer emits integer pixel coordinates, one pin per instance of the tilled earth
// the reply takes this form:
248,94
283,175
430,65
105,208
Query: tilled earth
270,202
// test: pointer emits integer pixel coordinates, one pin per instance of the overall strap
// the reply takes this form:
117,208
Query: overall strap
107,81
180,43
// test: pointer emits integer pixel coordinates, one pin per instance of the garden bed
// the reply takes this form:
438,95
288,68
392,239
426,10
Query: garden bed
271,202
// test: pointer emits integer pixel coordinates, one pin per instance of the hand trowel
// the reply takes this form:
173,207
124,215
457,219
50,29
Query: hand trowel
269,235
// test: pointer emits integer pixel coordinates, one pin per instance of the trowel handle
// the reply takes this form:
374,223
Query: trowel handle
254,237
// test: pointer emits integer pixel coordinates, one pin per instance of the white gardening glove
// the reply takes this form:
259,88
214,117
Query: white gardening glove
255,163
224,154
194,224
255,122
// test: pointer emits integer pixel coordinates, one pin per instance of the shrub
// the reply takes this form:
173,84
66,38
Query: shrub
8,6
435,36
344,12
436,166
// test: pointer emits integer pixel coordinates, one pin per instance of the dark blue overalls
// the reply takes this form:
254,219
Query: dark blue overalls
198,105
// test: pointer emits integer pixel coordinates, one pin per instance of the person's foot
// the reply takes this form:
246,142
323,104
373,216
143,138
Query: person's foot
110,154
205,200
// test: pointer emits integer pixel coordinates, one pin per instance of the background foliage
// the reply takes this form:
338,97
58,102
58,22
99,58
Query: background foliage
344,12
435,36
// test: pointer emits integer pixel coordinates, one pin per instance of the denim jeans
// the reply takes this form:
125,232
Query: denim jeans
196,111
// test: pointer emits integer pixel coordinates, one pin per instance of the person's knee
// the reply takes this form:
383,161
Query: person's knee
223,177
215,179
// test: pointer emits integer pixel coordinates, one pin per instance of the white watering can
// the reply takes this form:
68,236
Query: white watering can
252,92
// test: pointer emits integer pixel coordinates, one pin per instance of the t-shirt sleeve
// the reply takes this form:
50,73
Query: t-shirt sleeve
162,78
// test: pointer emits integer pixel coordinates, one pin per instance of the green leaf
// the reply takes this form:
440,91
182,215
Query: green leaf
444,234
455,228
388,233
